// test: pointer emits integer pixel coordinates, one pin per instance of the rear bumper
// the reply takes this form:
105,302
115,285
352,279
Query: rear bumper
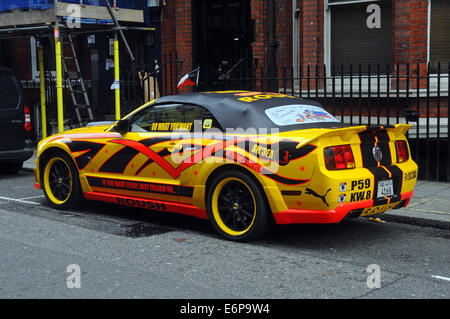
297,216
18,155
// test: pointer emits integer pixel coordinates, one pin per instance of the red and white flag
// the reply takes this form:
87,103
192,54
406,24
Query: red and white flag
190,79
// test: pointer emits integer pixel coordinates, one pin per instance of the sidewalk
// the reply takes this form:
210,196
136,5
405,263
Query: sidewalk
430,205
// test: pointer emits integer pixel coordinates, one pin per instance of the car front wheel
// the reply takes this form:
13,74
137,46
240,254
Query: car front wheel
61,183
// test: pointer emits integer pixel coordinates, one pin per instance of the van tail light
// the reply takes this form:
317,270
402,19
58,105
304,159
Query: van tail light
339,157
402,151
27,113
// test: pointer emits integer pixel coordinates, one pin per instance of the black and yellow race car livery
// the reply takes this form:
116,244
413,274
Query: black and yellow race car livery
243,160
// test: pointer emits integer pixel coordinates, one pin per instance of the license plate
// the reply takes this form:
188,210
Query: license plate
377,209
385,188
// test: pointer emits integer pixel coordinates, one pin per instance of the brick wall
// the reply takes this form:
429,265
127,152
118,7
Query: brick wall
410,38
312,32
284,33
259,47
410,31
176,35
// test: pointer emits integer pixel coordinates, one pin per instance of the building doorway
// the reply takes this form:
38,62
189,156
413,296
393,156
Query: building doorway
222,35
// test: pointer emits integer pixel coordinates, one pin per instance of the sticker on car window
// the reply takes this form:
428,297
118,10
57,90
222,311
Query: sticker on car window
207,124
171,126
298,114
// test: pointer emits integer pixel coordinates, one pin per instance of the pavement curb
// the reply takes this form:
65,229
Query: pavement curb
417,221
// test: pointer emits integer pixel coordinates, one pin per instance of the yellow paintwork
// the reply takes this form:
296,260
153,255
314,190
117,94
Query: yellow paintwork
117,77
59,85
311,167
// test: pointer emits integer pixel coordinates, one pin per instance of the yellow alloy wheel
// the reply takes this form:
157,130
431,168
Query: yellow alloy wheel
233,206
58,180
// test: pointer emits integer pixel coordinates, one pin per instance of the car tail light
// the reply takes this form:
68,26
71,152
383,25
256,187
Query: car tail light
339,157
27,113
402,151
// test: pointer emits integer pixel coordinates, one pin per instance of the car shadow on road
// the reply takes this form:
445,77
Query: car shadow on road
134,222
350,233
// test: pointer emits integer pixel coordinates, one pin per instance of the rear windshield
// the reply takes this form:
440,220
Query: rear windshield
293,114
8,92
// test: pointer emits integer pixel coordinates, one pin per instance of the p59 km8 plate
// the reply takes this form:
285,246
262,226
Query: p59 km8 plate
385,188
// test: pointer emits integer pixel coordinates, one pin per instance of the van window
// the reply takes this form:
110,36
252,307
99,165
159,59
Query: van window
9,92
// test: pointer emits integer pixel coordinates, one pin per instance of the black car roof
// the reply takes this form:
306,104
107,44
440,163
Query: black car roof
243,109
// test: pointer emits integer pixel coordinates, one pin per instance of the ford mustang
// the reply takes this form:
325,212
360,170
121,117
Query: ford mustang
243,160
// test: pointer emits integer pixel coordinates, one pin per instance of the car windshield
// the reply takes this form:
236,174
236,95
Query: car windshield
294,114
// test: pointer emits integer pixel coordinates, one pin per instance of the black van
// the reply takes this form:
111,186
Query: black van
15,124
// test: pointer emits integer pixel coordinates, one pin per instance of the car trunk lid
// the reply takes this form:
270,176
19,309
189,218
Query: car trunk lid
374,145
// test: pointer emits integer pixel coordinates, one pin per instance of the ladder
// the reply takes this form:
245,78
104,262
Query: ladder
77,86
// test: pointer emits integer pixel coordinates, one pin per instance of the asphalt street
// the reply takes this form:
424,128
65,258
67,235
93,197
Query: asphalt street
128,253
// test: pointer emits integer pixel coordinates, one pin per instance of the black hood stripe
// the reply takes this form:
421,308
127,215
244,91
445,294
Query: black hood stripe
91,149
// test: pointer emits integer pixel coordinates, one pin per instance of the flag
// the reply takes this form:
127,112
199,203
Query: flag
190,79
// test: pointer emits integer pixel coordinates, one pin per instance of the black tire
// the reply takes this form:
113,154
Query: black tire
237,207
60,182
10,168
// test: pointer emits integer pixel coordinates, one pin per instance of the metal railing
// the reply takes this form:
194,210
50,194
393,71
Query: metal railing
374,95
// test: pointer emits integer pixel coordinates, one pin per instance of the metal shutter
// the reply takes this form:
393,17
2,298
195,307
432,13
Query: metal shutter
440,33
352,42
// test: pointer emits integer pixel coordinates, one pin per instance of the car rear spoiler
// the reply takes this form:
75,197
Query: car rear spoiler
347,132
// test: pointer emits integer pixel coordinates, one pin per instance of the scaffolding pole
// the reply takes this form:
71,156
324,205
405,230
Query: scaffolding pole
42,87
117,76
59,88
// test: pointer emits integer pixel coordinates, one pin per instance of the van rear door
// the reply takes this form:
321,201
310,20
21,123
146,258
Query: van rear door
12,132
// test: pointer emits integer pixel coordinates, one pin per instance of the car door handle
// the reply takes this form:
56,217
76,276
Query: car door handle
175,147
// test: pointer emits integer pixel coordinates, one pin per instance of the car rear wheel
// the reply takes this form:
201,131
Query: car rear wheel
61,182
237,207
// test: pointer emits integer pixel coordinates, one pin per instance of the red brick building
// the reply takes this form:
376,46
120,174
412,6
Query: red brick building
206,33
219,35
366,61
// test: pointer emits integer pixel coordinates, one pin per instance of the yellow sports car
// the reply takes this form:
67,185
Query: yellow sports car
244,160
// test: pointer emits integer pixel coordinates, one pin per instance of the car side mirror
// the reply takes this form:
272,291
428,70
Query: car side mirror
412,115
122,126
